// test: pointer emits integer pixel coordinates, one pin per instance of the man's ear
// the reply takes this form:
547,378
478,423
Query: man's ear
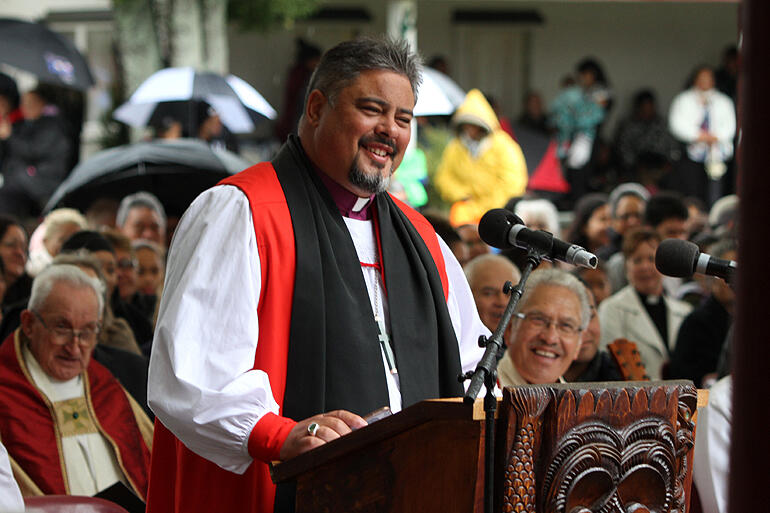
316,101
27,318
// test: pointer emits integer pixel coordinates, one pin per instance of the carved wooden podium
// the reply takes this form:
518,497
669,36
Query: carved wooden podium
575,448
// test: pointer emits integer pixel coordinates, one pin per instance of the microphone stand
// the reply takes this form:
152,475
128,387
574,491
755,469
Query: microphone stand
486,372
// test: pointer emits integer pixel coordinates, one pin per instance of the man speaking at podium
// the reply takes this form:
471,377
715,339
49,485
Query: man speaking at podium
299,296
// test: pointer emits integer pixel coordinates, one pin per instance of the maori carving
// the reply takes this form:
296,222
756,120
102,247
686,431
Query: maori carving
519,481
685,437
600,450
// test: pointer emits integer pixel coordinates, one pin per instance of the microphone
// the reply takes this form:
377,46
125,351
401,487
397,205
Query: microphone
501,228
681,258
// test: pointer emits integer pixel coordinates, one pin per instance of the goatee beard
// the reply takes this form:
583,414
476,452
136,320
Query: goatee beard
371,183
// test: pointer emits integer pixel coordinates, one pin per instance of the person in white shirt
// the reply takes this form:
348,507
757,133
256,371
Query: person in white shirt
703,119
300,296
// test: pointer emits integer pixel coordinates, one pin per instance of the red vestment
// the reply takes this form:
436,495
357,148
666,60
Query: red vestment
180,480
29,433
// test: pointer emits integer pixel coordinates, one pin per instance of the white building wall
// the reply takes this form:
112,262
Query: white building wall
640,44
35,9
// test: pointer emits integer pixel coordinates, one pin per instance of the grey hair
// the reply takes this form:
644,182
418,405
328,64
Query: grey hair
475,265
627,189
140,199
723,210
539,209
61,217
558,278
67,273
341,65
723,246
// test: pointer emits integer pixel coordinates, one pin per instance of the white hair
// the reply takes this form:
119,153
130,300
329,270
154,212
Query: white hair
61,217
66,273
538,210
558,278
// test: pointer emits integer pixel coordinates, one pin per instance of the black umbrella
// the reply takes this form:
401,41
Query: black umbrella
37,49
175,171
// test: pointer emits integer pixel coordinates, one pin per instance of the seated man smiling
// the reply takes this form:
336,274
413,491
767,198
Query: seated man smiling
547,329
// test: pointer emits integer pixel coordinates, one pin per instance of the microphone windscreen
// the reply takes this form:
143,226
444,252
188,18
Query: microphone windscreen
495,226
676,257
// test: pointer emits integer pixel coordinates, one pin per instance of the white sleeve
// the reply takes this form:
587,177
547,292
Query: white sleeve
462,310
684,118
201,384
724,118
712,448
10,495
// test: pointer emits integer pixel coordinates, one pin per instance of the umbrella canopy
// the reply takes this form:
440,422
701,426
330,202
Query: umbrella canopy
175,171
173,91
438,94
51,57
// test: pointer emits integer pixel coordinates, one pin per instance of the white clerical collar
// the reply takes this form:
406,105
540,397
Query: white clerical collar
360,203
53,389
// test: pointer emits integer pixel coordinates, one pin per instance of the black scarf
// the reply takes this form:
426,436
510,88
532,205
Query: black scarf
334,359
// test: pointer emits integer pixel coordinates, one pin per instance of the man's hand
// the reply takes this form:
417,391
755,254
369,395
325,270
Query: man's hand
707,137
332,425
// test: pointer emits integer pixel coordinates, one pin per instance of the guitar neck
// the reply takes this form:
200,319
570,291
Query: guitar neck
629,362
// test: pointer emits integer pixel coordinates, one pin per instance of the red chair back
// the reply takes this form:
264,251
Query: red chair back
70,504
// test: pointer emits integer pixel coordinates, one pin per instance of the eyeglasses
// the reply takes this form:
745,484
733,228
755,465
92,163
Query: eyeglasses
64,334
566,329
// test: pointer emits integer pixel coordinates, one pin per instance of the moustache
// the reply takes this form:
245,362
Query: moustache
380,140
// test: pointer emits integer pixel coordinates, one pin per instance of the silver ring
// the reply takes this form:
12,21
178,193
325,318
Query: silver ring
312,429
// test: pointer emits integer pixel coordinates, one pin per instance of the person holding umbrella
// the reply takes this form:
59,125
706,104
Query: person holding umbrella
38,150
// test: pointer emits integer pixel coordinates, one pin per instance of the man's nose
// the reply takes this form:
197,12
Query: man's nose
387,126
550,334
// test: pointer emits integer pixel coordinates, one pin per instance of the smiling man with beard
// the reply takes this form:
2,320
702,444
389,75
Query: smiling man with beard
549,321
299,296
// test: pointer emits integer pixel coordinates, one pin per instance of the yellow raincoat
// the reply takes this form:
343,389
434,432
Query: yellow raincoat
496,174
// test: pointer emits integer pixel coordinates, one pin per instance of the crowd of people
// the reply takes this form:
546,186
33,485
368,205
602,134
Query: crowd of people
278,275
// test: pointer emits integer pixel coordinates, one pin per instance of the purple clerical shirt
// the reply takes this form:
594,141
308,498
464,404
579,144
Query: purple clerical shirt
349,204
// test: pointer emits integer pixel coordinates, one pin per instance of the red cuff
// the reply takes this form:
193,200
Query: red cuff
268,435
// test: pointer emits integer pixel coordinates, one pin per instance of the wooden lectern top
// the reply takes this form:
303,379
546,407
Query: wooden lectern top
561,448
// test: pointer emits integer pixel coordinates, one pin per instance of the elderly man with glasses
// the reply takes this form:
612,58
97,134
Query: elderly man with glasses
68,425
547,328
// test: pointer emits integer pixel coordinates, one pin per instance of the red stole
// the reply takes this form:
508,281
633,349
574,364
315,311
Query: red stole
180,480
28,431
